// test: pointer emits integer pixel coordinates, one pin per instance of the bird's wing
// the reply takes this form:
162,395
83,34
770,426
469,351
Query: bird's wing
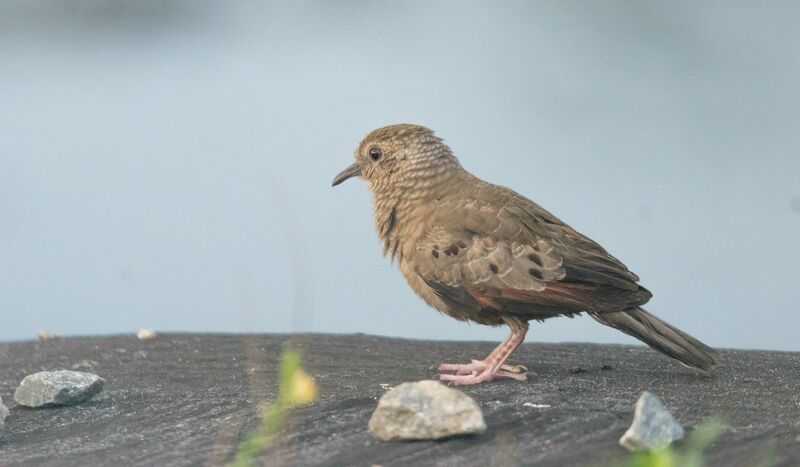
500,251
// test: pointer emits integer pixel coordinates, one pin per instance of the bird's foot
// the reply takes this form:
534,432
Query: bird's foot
479,371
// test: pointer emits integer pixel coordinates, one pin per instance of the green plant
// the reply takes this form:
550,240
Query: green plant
689,455
295,388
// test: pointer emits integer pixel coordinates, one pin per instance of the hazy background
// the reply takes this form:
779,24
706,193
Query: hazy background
168,164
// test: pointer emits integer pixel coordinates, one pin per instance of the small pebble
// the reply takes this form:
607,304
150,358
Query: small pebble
146,334
42,336
653,426
84,364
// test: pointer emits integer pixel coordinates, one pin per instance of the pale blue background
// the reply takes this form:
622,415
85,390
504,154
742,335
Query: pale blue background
168,164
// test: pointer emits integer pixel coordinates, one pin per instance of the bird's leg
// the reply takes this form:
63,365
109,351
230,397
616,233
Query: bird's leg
490,367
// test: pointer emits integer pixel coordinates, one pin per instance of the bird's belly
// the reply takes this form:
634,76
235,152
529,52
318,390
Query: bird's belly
425,292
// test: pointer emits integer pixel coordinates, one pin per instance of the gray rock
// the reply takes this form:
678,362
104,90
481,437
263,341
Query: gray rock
49,388
425,410
653,426
3,414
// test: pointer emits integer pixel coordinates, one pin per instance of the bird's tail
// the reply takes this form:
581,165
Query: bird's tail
661,336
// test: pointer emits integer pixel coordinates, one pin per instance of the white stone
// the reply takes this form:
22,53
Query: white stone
146,334
42,336
536,406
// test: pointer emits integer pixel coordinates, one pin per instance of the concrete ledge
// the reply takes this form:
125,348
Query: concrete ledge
186,399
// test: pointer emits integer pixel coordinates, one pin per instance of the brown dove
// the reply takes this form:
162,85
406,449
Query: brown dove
483,253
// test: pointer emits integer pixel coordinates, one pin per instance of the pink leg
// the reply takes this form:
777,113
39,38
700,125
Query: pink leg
492,366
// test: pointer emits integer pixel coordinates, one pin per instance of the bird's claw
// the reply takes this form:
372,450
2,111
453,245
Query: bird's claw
478,371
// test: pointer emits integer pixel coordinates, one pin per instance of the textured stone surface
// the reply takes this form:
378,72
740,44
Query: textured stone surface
425,410
52,388
194,396
653,426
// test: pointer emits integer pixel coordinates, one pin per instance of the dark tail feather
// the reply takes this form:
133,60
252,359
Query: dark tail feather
661,336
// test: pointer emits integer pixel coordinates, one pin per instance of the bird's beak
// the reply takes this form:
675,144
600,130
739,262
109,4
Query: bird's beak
350,172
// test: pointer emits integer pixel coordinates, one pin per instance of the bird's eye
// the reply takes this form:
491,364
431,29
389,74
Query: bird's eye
375,153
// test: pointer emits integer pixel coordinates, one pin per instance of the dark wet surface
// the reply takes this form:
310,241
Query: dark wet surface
187,399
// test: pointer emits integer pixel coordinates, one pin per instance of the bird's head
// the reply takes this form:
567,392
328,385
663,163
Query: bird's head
399,157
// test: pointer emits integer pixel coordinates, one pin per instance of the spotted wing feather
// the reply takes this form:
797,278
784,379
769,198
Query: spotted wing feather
517,258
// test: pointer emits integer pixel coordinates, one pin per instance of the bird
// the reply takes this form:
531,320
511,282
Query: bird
482,253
